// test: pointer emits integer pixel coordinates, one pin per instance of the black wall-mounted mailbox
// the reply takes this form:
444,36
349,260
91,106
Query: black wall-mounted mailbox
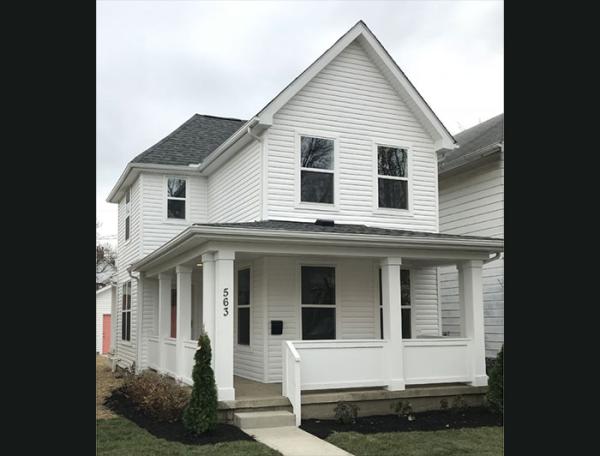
276,327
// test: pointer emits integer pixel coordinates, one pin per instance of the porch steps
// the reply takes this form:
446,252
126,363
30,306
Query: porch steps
264,419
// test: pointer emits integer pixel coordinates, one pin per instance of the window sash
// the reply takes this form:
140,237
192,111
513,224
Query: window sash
126,312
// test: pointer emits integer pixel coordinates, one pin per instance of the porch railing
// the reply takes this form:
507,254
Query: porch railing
328,364
171,367
153,353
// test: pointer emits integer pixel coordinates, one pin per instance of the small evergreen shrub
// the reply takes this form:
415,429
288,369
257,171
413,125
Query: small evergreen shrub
404,409
444,404
156,396
201,414
459,404
346,413
495,394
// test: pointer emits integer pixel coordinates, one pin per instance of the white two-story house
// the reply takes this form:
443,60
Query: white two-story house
305,240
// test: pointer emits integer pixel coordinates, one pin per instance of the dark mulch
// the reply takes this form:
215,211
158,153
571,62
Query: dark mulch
174,432
424,421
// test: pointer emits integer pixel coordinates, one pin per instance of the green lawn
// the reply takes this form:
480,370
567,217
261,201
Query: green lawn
119,436
483,441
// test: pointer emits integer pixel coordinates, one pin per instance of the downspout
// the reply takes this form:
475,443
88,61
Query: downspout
138,323
494,258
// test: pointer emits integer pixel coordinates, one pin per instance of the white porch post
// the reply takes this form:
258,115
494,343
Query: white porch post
184,313
392,321
164,316
471,297
208,299
223,308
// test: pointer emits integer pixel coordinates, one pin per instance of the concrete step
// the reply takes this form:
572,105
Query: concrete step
266,419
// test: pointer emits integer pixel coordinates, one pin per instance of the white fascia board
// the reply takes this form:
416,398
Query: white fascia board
103,289
205,234
132,171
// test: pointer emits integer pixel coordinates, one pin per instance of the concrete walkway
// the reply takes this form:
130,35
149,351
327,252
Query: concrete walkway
293,441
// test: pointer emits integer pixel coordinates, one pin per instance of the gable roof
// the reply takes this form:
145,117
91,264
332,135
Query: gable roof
474,143
191,142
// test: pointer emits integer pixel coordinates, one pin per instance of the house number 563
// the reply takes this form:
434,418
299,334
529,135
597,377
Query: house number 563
225,302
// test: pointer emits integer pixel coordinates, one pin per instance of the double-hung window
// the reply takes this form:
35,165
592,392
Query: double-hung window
176,192
316,170
127,213
243,306
318,302
173,326
392,177
126,311
405,304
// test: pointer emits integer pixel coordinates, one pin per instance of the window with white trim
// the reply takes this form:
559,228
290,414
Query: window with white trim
126,311
316,170
392,177
243,306
127,213
318,302
176,194
405,304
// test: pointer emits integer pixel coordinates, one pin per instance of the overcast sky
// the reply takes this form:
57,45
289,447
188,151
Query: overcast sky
160,62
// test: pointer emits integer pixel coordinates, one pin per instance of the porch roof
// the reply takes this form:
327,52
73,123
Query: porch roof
339,235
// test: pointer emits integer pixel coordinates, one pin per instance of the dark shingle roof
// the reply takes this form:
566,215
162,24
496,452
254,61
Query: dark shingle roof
471,141
191,142
337,228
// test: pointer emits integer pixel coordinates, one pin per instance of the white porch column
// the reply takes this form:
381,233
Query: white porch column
392,321
184,313
164,316
471,298
223,311
208,299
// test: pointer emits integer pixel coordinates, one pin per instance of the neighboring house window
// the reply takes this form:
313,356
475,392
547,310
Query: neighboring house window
316,170
318,302
173,332
392,177
176,198
126,312
405,304
243,304
127,212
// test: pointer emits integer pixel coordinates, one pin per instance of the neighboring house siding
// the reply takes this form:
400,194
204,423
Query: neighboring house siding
234,190
128,252
357,311
352,100
249,360
157,229
103,306
472,203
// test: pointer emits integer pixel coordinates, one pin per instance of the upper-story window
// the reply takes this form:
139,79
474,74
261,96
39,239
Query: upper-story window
392,177
316,170
176,192
127,213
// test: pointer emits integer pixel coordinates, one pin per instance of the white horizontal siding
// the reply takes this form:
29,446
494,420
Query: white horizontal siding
157,229
249,360
352,100
103,306
357,307
234,190
127,253
472,203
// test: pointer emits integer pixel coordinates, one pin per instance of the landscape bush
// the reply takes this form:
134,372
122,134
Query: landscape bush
495,394
156,396
346,413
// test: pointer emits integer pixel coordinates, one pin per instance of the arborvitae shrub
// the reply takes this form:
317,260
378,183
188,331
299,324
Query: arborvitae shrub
495,394
201,413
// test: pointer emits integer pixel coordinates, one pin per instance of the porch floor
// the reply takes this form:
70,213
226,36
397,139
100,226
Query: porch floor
246,389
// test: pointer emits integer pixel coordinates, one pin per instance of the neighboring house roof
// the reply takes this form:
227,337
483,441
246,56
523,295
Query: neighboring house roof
285,225
191,142
474,143
105,288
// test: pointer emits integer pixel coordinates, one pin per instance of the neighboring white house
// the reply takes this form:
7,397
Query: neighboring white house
471,180
105,300
305,240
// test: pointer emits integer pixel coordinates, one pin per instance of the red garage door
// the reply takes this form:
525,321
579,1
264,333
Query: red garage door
105,333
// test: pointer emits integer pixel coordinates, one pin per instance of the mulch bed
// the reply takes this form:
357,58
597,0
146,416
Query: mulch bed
424,421
174,432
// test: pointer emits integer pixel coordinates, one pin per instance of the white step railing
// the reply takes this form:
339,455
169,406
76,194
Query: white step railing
290,383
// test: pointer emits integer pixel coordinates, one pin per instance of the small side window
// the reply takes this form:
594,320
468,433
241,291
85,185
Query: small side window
392,177
176,196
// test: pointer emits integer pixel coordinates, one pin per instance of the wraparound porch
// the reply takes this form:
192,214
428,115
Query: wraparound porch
366,301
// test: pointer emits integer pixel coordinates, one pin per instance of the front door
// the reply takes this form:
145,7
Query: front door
105,333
